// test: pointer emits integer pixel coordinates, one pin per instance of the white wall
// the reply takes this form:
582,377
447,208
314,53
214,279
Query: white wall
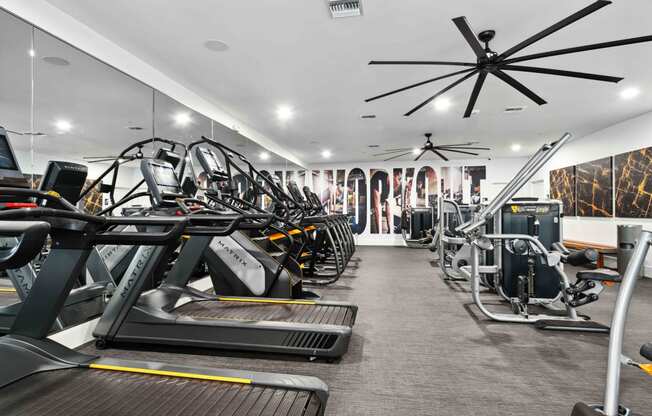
632,134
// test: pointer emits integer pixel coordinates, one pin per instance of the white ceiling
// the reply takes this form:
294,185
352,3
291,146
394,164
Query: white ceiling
291,52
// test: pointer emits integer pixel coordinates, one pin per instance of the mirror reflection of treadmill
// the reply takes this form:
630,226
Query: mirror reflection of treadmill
10,174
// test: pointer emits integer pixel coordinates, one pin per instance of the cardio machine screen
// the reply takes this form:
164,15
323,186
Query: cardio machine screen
210,159
165,176
6,157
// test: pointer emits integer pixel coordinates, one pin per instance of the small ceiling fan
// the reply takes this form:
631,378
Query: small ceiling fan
490,62
436,149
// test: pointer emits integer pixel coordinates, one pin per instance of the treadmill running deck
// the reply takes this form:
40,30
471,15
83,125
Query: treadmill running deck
245,311
83,392
8,296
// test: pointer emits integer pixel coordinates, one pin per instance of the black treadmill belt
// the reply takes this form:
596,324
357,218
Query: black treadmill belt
83,392
253,311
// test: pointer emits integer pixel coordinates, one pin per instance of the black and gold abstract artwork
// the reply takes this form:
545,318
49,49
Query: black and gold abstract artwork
594,188
562,188
634,184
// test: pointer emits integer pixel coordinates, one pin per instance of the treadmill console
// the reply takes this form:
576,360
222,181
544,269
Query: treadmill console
295,192
168,156
162,182
65,178
10,173
211,165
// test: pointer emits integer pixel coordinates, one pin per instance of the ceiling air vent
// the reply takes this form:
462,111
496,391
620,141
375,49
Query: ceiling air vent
344,8
514,109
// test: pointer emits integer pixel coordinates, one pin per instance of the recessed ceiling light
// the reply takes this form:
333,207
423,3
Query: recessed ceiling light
264,155
63,126
367,116
137,128
373,145
416,151
514,109
515,147
182,119
284,112
55,60
326,154
442,104
629,93
216,45
31,53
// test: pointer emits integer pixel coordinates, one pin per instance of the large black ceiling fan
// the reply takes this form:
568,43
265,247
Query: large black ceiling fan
436,149
490,62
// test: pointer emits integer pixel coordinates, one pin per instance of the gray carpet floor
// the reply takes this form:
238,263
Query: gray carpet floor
421,348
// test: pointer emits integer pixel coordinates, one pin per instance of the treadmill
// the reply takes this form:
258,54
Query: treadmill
65,179
175,314
42,376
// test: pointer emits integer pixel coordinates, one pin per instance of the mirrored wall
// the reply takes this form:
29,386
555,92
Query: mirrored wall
59,103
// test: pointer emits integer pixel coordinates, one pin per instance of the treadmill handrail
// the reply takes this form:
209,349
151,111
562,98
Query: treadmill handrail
33,233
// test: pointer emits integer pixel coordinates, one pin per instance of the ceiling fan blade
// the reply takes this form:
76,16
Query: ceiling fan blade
400,149
470,37
465,148
99,157
576,49
389,153
474,94
418,84
457,144
394,157
419,157
440,155
557,26
457,151
422,63
561,72
520,87
454,84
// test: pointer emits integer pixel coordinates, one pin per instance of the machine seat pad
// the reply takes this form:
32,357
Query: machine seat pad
646,351
600,275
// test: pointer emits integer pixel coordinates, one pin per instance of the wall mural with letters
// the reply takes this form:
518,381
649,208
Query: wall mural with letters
375,197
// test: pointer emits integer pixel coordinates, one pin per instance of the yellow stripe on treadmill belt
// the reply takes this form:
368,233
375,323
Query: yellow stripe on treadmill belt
256,300
170,373
7,290
647,368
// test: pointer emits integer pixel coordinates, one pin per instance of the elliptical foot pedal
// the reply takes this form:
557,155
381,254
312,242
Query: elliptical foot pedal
562,325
